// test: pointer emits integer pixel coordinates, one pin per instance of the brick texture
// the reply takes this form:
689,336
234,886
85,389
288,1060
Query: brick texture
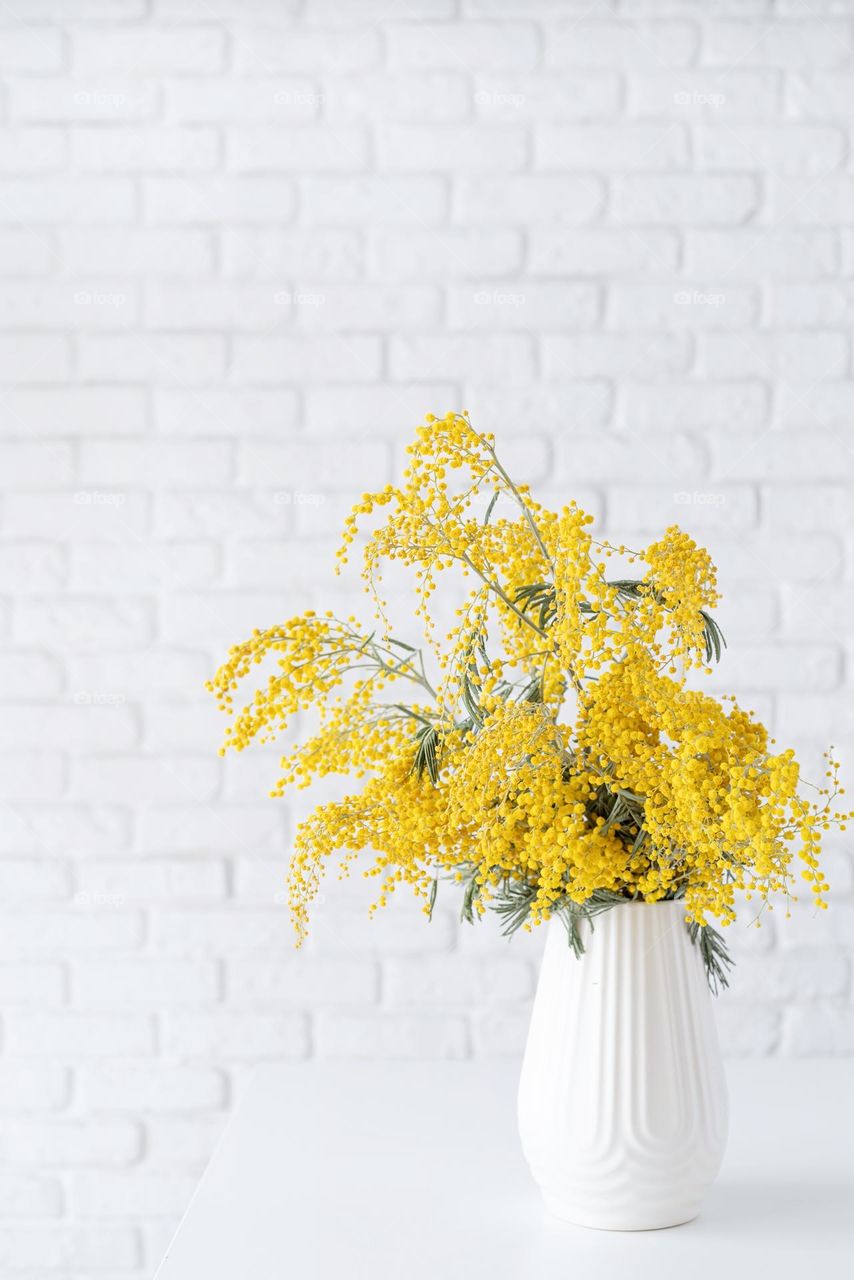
243,250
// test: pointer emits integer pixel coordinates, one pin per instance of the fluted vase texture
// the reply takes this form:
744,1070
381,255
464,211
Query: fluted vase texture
622,1098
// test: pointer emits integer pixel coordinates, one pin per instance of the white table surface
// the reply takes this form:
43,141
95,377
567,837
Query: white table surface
395,1171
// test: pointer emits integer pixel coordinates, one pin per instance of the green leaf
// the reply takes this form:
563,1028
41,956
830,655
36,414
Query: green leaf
532,691
512,904
403,645
713,637
716,957
492,503
471,701
638,841
415,715
425,754
630,795
538,596
471,891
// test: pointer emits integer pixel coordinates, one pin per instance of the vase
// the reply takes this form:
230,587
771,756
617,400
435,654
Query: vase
622,1098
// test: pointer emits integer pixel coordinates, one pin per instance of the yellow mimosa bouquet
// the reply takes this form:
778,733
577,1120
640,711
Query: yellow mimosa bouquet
550,754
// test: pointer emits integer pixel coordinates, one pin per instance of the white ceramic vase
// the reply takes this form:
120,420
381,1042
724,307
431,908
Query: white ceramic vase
622,1099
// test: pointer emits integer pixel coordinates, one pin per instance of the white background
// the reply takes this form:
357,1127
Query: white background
245,247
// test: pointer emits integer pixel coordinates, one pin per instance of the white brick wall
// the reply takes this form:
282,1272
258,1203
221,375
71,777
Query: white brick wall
244,247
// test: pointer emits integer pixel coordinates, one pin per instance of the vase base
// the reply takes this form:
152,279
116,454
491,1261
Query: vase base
646,1220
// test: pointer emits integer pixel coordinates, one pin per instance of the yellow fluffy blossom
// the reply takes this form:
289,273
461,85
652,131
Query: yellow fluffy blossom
548,754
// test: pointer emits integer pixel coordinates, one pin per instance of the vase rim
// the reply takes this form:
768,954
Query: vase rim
661,902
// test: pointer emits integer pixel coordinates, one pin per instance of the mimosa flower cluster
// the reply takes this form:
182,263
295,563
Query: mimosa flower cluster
551,754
